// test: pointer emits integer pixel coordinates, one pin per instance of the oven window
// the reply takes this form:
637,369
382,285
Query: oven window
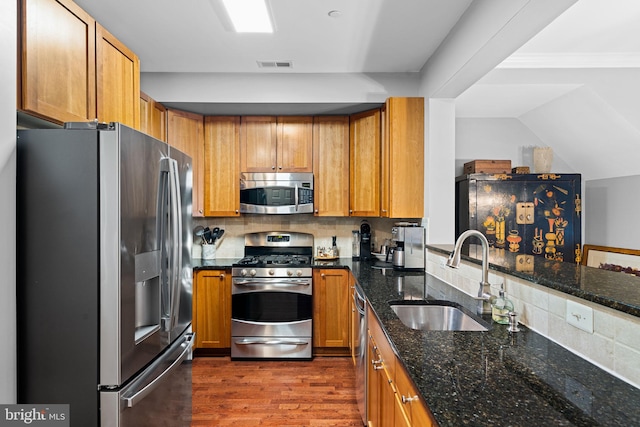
270,306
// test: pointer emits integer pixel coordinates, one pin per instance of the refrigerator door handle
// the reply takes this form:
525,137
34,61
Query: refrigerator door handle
139,395
176,236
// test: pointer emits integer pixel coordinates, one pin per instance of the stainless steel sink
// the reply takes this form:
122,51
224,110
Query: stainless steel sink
430,316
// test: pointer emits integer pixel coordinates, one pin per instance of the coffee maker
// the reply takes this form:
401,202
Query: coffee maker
409,241
365,241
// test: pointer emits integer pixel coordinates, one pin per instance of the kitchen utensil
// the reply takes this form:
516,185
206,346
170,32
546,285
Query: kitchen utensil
208,239
217,234
200,233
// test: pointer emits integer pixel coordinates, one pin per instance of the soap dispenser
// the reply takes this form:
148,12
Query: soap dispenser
501,307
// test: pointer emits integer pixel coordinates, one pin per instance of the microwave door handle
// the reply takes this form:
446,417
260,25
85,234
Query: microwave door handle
296,197
176,247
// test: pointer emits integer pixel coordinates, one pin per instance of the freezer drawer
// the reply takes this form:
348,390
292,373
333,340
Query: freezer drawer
159,396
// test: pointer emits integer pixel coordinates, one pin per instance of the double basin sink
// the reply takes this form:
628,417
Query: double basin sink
436,316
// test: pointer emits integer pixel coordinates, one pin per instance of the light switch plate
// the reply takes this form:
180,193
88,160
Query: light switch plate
580,316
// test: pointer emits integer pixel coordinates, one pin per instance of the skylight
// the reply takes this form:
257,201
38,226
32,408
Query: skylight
249,16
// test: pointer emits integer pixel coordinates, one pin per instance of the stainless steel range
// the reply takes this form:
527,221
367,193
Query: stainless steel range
272,293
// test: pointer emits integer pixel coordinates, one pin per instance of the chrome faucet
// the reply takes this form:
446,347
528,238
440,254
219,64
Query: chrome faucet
484,292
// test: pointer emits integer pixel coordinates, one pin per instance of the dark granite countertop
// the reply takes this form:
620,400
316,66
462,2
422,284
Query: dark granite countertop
619,291
490,378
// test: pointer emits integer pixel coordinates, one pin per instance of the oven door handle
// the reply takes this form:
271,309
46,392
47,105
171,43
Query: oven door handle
296,197
281,284
258,341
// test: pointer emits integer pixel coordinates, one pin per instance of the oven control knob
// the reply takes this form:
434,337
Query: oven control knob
252,272
298,273
243,272
289,273
271,272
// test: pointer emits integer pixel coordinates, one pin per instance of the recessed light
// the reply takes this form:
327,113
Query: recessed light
334,13
249,16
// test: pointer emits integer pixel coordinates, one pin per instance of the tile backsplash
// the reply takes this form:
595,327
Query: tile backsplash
614,344
232,243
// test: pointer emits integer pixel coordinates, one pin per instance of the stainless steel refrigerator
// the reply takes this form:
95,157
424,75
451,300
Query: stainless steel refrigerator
104,275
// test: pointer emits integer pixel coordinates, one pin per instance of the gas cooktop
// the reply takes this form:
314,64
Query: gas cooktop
286,260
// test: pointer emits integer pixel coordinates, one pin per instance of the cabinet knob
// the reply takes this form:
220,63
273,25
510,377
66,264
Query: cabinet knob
199,210
322,275
406,399
222,276
237,211
316,211
273,168
280,167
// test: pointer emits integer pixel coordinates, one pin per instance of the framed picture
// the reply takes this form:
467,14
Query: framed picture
613,259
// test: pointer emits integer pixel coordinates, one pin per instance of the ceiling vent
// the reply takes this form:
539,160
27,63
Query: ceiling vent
275,64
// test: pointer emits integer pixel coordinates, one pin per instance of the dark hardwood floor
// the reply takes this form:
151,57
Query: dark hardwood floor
320,392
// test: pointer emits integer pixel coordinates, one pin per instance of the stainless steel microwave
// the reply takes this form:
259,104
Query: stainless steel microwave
276,193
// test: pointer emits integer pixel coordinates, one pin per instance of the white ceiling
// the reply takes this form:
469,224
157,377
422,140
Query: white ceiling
594,34
369,36
194,36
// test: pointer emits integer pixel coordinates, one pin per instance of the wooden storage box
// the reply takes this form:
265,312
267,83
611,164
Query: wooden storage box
487,166
520,169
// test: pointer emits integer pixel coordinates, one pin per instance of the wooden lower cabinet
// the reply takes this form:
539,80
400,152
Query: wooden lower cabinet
393,400
212,309
331,311
380,388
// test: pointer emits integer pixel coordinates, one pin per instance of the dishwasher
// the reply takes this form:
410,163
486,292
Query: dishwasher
361,351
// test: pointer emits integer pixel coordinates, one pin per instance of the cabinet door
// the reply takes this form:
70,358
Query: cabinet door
331,165
185,131
410,409
221,166
212,309
380,389
295,144
403,160
258,144
364,181
117,79
58,63
153,117
331,298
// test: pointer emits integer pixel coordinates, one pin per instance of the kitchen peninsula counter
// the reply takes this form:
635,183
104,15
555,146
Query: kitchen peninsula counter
490,378
619,291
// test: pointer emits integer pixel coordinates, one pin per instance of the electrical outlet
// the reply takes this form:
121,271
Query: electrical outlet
580,316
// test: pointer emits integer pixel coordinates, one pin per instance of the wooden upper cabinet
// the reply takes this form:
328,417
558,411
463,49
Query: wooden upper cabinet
276,144
364,182
403,158
331,165
57,61
118,80
295,144
221,166
153,117
258,144
185,131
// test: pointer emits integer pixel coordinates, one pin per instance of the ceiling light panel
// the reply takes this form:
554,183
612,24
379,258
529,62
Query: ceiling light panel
249,16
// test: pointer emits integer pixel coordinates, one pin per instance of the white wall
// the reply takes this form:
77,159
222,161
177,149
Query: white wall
612,212
501,139
8,33
278,88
